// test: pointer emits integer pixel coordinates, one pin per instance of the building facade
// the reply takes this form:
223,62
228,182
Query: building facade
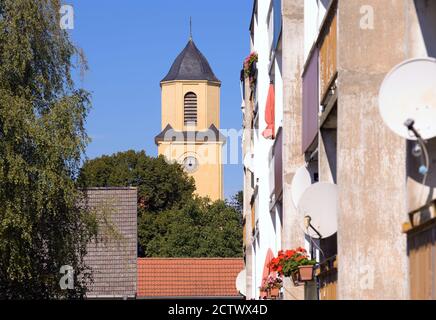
191,119
315,87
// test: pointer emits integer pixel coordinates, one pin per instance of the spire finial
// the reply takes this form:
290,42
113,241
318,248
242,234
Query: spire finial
190,28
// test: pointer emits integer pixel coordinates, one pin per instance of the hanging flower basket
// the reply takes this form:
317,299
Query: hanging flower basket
302,275
305,273
296,279
295,264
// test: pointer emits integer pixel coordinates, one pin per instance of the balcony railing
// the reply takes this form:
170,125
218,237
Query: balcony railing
421,242
327,44
327,274
319,76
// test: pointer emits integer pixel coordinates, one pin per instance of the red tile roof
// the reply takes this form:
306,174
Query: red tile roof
201,277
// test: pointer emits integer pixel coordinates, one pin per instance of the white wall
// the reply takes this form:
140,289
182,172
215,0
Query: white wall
262,147
314,12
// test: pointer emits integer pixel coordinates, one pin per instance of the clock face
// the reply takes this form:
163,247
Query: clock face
190,164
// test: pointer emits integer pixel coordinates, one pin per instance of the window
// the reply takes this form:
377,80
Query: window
190,110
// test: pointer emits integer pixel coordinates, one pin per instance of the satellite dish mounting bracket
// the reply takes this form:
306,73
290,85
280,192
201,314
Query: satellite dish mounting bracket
309,224
410,124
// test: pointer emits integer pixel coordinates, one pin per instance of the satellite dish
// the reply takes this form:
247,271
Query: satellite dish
248,161
409,93
241,282
319,203
300,183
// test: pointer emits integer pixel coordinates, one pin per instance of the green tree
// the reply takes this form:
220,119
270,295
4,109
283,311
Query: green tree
237,201
160,185
172,222
42,139
199,229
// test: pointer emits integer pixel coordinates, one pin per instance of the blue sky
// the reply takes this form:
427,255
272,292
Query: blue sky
130,46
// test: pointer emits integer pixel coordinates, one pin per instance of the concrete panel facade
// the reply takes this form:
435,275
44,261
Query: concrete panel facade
371,159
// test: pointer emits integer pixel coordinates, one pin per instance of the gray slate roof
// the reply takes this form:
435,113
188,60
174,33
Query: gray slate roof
114,258
190,65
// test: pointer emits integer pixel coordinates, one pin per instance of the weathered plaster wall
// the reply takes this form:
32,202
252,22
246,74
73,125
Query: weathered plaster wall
293,51
371,159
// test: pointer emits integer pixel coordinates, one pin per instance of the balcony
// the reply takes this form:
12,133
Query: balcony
328,53
327,274
319,79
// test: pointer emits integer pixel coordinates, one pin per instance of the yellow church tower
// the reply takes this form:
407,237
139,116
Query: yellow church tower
191,119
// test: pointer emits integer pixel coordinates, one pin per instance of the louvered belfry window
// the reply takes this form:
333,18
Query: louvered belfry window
190,108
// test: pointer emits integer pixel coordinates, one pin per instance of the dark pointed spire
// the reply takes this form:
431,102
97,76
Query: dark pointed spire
190,64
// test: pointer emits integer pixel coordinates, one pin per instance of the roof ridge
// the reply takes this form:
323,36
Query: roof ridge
182,55
201,57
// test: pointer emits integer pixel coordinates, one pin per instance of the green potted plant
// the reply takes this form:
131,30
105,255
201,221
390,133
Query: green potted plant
270,288
274,284
264,290
294,263
250,69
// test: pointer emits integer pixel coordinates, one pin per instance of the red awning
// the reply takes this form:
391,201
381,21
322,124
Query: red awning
269,132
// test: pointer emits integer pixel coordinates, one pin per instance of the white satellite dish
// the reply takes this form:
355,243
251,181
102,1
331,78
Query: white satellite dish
241,282
409,92
319,202
248,161
300,183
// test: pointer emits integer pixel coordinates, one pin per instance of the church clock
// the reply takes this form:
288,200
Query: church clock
190,164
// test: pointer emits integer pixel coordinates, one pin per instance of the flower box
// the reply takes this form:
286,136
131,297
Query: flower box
263,295
271,286
274,292
295,264
296,279
305,273
302,275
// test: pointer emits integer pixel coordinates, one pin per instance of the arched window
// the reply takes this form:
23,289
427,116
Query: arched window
190,111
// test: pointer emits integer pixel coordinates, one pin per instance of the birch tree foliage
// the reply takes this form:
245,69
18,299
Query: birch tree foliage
42,139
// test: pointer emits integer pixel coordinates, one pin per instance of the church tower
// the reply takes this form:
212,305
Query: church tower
191,119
